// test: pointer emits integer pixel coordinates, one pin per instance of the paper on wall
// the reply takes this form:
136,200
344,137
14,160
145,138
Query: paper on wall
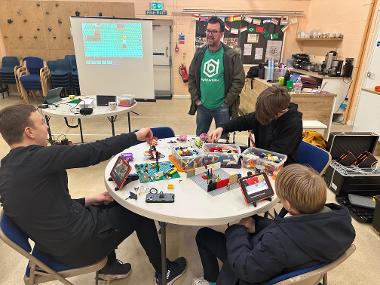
247,49
253,38
259,53
234,31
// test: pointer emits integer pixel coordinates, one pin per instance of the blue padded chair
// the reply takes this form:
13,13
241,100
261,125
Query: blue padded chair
41,267
163,132
311,275
32,76
74,73
60,74
8,64
313,156
33,64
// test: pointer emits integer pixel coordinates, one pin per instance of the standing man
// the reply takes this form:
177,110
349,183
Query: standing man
216,78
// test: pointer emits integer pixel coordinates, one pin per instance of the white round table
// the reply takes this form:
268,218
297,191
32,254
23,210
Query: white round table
66,110
193,206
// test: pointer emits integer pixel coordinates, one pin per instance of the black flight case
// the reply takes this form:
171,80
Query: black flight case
344,180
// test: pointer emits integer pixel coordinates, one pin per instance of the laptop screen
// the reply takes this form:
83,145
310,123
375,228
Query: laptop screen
54,95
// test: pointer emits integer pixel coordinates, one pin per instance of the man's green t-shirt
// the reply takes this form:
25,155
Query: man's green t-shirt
212,79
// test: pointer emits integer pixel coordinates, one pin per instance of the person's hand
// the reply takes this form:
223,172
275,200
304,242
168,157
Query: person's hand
249,224
99,198
215,135
198,102
144,134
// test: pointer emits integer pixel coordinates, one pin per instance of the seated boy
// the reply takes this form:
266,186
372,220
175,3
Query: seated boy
256,249
276,123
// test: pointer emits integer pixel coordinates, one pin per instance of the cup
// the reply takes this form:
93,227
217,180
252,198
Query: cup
112,105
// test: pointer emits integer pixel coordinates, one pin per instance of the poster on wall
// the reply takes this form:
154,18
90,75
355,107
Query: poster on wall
247,49
253,38
231,42
273,50
259,53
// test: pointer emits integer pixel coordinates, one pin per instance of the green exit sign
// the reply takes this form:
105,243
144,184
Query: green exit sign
156,6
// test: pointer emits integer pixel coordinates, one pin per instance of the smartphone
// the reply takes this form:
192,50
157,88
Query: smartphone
159,197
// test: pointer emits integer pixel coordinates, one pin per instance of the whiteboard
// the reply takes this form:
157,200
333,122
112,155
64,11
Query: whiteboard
114,56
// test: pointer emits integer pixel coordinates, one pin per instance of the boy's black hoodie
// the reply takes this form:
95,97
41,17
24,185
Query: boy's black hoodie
282,135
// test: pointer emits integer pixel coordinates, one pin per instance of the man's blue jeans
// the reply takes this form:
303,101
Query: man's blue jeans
221,116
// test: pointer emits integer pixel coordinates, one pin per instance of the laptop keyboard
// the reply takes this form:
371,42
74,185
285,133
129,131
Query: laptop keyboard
362,215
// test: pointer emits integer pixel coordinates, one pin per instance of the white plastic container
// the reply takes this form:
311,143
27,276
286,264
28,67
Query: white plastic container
192,160
227,154
263,160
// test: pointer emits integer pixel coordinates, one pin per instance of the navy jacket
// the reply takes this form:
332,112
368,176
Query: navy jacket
282,135
285,245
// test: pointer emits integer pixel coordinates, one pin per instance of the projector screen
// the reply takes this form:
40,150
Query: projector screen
114,56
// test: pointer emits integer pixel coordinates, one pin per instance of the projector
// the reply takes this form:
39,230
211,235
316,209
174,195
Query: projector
86,103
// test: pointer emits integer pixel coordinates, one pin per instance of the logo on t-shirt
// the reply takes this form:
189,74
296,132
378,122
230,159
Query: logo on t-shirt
211,68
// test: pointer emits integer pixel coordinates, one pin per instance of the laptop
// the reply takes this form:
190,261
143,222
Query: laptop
54,95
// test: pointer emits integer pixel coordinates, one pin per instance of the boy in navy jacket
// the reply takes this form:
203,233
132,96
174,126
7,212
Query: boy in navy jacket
256,249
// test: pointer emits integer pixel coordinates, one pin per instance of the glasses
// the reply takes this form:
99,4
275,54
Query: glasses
212,32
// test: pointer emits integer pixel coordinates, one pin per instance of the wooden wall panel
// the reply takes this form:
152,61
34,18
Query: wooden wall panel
42,28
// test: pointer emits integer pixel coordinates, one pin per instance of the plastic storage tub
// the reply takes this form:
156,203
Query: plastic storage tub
227,154
187,157
263,160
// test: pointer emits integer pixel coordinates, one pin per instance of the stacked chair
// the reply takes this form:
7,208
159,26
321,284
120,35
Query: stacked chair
60,72
7,76
8,64
74,74
64,73
31,77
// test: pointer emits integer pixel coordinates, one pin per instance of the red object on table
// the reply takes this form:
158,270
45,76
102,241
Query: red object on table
377,88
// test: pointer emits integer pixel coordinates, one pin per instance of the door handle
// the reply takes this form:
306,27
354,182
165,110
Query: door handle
158,53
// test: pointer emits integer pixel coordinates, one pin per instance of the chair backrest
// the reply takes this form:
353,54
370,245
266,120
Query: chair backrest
72,61
53,65
311,275
11,232
313,156
163,132
42,267
34,64
10,61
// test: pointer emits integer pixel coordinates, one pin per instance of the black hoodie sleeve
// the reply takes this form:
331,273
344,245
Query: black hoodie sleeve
55,158
254,263
246,122
288,138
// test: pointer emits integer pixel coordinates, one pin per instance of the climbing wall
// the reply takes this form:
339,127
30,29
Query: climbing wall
42,28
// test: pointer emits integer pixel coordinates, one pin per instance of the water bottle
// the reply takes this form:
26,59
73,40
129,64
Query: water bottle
298,85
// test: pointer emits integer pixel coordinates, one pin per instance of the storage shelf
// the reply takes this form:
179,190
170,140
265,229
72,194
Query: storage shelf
319,39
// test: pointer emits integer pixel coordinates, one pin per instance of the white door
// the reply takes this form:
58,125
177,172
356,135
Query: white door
367,117
162,61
